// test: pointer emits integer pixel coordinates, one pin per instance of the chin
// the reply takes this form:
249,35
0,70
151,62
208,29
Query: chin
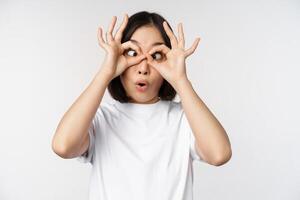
144,100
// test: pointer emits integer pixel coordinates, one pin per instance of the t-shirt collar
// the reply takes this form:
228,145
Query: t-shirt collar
140,108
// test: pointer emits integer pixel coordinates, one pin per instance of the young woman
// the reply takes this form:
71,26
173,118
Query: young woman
142,144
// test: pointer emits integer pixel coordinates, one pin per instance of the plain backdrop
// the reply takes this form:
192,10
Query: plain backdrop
245,69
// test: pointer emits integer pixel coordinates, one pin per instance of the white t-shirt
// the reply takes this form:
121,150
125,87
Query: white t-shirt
140,152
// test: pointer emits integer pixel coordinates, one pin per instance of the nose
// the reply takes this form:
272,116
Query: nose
143,67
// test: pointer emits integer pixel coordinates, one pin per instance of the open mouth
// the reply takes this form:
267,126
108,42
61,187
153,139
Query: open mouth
141,87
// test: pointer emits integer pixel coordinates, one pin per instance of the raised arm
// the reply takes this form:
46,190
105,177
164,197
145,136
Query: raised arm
212,142
71,138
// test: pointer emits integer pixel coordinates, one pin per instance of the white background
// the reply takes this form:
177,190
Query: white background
246,70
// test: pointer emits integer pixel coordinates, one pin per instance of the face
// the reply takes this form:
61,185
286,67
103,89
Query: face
145,37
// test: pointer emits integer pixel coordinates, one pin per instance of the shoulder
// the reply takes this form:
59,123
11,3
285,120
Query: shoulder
105,109
174,109
176,106
106,105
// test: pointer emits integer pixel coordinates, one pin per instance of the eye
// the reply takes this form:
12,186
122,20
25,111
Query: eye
131,52
157,55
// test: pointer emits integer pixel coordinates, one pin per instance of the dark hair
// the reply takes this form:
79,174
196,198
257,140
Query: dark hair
115,87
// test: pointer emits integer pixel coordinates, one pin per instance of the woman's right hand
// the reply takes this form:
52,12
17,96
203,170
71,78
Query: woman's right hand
115,61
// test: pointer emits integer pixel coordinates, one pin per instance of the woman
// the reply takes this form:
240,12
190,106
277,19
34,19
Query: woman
142,144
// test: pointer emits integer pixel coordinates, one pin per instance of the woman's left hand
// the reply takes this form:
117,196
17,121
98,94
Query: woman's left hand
172,66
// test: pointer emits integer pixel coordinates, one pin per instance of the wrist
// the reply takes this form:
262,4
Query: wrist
181,85
104,76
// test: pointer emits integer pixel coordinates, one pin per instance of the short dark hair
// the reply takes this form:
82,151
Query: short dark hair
142,18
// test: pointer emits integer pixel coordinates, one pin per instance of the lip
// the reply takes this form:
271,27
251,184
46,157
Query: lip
142,81
141,88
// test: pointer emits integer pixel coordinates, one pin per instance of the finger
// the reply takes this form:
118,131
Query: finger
163,48
109,37
151,62
192,48
136,60
171,35
181,41
149,58
100,38
130,44
119,33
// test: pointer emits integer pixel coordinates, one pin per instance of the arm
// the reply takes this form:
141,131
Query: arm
212,142
211,139
71,137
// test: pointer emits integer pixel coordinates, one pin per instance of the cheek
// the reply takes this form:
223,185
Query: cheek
162,81
125,78
159,82
159,78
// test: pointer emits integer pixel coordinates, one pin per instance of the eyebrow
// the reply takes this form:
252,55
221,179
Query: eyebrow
154,44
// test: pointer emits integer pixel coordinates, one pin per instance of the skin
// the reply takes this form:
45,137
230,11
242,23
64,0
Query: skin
145,37
212,142
71,138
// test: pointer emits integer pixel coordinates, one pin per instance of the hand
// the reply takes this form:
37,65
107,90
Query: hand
172,66
115,62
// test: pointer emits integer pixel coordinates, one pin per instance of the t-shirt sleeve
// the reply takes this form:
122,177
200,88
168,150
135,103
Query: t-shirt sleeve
87,157
192,141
